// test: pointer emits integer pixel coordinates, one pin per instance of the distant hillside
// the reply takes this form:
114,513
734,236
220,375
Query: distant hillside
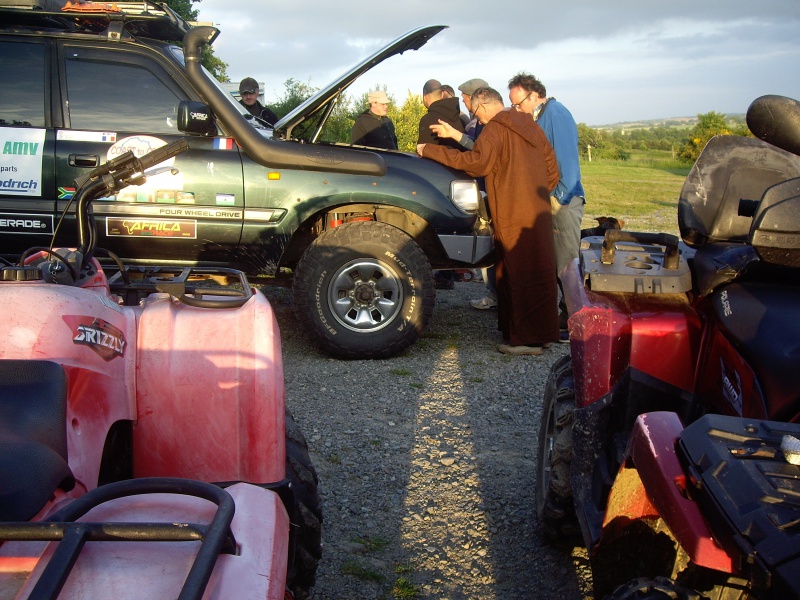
679,122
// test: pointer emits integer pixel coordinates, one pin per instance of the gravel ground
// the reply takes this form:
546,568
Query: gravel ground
427,463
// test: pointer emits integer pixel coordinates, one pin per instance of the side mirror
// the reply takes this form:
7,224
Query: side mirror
196,117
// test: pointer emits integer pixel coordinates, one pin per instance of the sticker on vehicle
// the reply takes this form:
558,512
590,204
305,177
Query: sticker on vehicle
161,228
163,183
21,161
74,135
26,224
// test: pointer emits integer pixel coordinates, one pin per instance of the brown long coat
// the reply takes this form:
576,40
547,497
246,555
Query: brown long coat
520,168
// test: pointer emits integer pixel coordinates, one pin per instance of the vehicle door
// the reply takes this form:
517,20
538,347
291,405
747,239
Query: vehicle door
117,99
26,145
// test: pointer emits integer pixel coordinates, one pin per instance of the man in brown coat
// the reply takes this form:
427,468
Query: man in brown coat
520,168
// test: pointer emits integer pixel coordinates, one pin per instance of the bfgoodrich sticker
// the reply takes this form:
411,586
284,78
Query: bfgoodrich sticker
21,161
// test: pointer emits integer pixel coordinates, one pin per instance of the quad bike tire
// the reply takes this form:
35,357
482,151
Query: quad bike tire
659,588
555,509
302,571
364,290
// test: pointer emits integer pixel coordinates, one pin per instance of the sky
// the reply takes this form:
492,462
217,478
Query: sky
608,62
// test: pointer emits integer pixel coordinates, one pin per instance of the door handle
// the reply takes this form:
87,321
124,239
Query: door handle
84,160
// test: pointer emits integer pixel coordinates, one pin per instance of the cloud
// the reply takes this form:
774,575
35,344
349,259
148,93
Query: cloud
615,61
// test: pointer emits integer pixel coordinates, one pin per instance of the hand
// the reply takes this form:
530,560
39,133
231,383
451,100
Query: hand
421,147
445,130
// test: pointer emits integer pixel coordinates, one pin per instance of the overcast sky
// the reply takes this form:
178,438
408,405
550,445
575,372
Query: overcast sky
608,62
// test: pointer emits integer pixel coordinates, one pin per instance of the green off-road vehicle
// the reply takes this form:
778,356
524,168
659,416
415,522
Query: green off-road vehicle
357,229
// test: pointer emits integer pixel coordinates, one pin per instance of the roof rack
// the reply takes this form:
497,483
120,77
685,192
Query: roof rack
114,20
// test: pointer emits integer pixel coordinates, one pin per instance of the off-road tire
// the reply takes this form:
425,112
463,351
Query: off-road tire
659,588
364,290
554,502
307,522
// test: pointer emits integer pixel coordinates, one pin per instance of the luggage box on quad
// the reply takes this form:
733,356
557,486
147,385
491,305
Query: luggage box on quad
750,496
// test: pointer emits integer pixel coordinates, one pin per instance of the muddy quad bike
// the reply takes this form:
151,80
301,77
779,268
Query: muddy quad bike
709,324
145,448
709,511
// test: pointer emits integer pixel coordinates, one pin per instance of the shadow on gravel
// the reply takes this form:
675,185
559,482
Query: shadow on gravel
427,463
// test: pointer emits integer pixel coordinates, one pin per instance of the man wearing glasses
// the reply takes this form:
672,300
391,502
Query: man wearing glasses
527,94
248,90
520,169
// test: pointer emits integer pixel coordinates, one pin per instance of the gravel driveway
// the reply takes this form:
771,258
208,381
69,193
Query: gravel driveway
427,463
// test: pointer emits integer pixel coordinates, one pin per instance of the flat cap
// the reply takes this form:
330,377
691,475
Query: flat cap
469,87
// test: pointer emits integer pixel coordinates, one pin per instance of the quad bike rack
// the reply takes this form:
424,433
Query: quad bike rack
63,527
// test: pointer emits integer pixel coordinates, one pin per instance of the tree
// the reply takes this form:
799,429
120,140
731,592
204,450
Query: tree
709,125
215,65
406,122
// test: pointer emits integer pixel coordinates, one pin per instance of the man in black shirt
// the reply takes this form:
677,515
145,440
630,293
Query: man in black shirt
372,127
248,89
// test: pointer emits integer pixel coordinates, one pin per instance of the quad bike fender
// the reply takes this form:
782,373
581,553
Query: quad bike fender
151,570
210,392
657,334
651,484
95,341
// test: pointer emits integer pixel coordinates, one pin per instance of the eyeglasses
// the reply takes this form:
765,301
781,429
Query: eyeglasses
521,102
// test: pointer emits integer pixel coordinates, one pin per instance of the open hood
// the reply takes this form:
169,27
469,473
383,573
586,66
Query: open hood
320,105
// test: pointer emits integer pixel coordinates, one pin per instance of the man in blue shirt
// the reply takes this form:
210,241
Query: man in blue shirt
528,94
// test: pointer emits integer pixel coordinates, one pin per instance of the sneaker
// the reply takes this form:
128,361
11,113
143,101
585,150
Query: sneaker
484,303
563,336
534,350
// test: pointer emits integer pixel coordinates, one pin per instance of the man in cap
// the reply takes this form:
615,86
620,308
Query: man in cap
372,127
440,108
248,89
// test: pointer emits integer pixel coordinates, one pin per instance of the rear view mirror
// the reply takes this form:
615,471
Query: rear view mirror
196,117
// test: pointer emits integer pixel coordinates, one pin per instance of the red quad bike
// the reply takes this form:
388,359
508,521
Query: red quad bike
706,325
145,448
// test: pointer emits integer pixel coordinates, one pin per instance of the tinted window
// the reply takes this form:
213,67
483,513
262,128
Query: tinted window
22,98
113,96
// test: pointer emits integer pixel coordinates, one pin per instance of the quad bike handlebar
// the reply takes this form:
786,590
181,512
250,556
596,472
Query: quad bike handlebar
113,176
70,266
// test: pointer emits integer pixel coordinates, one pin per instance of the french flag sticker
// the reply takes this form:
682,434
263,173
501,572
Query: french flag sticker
223,144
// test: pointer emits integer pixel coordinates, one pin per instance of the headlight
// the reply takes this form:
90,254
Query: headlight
465,195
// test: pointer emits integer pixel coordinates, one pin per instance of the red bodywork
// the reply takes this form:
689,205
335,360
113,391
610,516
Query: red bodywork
203,389
651,484
657,334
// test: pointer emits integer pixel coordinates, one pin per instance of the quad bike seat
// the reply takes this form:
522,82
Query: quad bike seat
750,497
33,436
762,321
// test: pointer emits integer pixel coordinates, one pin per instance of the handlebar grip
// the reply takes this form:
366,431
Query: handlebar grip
159,155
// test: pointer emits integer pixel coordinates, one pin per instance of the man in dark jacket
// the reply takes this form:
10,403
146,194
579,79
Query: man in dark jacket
248,90
372,127
439,108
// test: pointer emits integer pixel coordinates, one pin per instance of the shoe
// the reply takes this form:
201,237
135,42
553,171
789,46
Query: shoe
535,350
484,303
563,336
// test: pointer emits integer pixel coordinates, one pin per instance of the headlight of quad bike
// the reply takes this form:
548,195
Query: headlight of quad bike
465,195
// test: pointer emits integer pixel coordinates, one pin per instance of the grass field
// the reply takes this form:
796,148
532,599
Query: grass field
642,191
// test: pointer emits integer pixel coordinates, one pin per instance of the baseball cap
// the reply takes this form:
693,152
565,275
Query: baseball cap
469,87
248,84
378,96
431,86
